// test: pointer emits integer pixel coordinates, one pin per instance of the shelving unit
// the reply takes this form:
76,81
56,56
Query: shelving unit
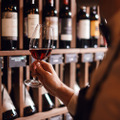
70,76
55,51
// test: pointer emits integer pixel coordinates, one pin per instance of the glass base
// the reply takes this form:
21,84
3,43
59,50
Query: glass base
33,83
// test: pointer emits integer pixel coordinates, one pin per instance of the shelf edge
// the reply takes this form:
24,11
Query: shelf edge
45,115
55,51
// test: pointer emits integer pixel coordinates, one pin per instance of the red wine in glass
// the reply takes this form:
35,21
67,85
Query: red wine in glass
40,47
40,54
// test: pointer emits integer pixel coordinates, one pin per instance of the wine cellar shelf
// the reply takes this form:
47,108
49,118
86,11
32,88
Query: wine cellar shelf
56,51
40,91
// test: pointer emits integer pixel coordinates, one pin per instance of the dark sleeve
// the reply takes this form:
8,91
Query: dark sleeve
84,106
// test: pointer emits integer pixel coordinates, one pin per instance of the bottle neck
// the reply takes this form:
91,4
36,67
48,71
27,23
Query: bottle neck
93,10
51,3
66,2
10,2
33,2
83,9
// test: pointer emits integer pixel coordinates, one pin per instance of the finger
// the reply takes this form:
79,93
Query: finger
47,66
40,70
33,66
34,74
37,75
40,77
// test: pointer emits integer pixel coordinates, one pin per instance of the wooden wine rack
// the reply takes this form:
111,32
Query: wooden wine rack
71,74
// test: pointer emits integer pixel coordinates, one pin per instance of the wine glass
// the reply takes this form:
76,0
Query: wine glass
40,47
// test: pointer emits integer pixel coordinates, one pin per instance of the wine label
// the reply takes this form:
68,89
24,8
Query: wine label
10,25
94,28
53,22
66,29
83,29
33,20
7,103
27,98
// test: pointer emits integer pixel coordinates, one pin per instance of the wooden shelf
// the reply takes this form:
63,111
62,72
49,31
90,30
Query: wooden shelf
44,115
14,53
56,51
79,50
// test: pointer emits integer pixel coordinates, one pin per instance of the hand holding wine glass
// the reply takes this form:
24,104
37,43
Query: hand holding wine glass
40,48
50,80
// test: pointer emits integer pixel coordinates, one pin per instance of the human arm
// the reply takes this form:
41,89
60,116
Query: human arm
45,72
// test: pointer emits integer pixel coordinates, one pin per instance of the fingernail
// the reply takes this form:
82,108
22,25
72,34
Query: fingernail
38,64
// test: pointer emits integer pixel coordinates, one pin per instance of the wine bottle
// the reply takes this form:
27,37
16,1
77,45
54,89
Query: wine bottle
31,19
105,32
28,104
47,103
68,116
60,103
58,117
50,18
8,108
9,37
25,27
83,29
94,27
65,24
